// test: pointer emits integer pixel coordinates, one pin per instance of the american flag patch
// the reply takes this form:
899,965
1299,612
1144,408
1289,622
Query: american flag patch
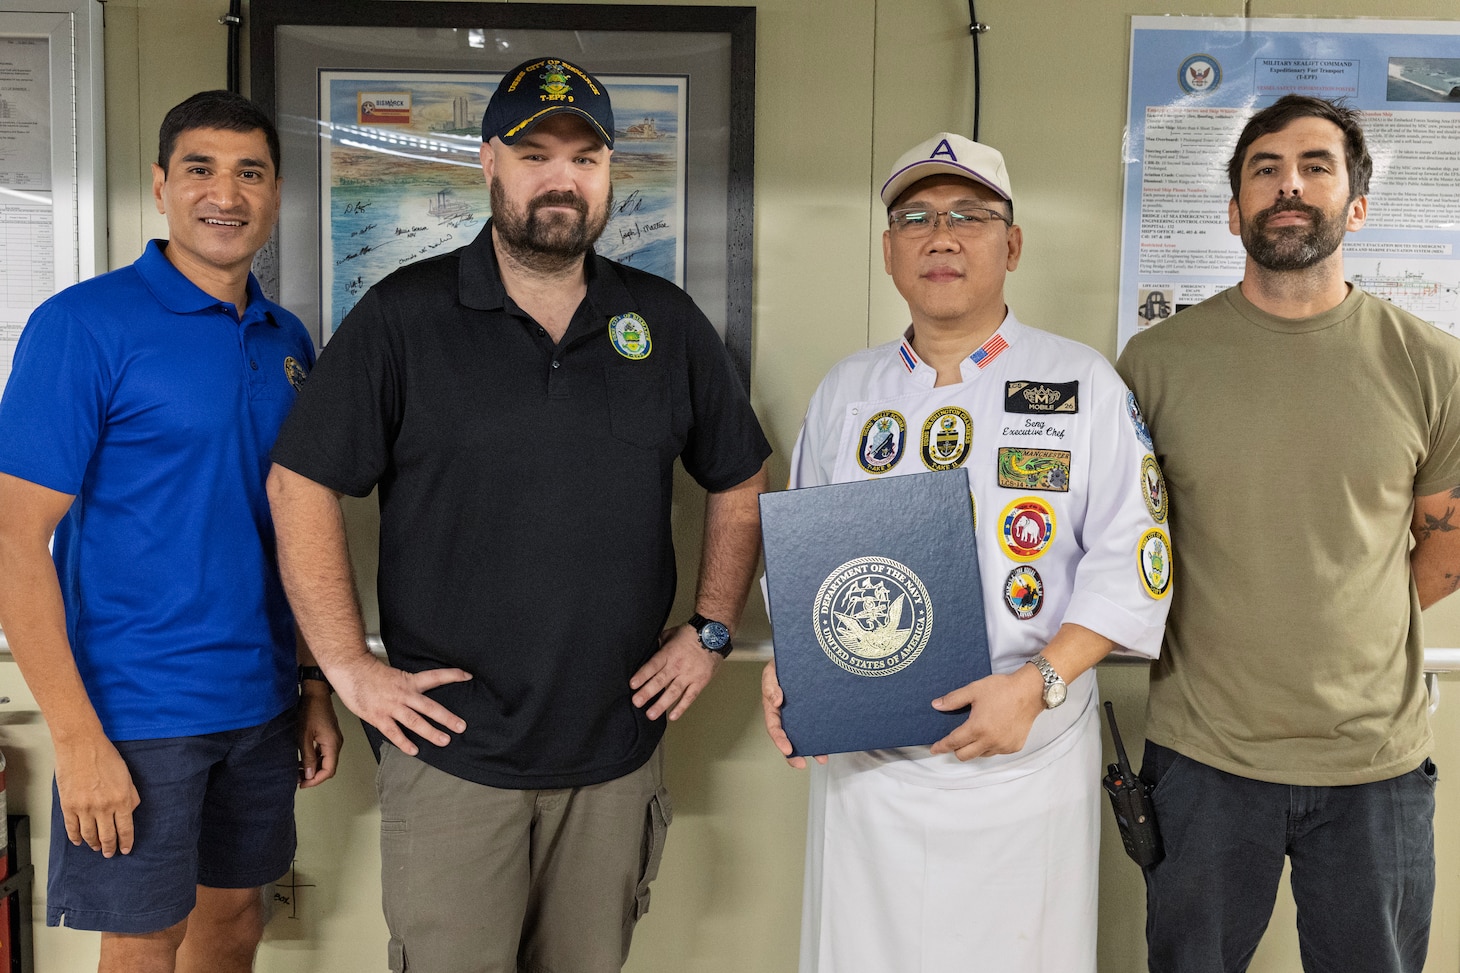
909,360
989,350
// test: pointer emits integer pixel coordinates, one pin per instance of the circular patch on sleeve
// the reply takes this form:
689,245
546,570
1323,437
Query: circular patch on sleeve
946,438
1153,488
1143,433
1154,553
1024,592
882,440
1027,528
630,336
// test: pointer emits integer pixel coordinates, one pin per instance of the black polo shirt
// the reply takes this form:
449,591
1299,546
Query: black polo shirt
525,493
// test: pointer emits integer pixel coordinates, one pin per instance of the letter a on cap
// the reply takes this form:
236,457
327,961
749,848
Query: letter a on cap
943,149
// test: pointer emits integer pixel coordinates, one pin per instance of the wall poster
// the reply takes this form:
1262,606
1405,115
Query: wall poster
400,178
1193,83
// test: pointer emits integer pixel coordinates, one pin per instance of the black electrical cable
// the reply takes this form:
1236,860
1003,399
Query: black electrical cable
233,20
974,29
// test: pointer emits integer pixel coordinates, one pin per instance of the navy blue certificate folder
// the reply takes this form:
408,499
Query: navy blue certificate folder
876,609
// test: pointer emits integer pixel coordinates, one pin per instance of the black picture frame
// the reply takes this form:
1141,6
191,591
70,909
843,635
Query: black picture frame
609,38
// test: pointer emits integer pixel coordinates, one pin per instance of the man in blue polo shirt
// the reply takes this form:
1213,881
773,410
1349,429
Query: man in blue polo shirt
136,426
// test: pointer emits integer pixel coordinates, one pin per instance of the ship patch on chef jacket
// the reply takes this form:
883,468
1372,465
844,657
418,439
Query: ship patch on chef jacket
946,437
1041,397
882,440
1026,528
630,336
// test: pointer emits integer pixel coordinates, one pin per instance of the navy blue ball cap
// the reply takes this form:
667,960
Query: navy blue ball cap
539,89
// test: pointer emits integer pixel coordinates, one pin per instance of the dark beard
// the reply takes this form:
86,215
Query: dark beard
547,243
1291,247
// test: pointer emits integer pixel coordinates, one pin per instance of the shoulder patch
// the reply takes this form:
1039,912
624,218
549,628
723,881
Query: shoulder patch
1041,397
1154,555
1143,433
1153,488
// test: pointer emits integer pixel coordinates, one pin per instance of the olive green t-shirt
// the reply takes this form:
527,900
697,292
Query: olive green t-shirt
1293,450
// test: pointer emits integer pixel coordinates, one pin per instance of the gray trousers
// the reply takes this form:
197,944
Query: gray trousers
480,879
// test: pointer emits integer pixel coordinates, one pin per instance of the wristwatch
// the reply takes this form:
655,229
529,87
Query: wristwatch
1055,689
713,635
314,674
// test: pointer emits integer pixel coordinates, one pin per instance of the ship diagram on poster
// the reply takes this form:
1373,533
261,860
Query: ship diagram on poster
1194,81
401,177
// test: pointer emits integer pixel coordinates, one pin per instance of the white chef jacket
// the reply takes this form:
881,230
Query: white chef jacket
1070,515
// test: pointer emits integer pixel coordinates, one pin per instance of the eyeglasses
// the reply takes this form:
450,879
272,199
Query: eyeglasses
914,224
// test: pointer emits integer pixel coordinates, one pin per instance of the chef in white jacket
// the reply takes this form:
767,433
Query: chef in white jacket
982,851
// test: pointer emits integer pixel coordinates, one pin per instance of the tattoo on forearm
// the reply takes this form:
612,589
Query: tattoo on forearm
1455,493
1435,524
1452,581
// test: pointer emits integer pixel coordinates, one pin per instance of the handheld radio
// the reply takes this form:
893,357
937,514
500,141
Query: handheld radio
1130,798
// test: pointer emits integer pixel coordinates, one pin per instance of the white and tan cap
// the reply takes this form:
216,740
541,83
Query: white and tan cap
951,154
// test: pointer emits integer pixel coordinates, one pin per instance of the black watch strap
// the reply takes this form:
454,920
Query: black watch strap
714,636
314,674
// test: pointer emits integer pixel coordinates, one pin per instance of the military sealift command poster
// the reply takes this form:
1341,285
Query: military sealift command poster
401,176
1193,83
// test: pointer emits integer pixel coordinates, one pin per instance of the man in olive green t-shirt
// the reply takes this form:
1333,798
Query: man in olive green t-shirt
1308,433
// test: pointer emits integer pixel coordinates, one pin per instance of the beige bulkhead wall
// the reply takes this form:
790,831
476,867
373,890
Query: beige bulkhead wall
842,88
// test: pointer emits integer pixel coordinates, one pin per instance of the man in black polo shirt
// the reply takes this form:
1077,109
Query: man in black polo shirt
520,404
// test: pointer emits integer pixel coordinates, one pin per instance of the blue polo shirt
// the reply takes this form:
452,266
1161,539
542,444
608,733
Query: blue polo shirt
156,406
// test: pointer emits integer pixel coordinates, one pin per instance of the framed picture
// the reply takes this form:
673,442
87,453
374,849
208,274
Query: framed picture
379,107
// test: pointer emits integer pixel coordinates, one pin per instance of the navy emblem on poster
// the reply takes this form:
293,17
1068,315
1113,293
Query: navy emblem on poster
1024,592
630,336
294,372
1027,528
1200,74
946,438
1154,553
873,616
1041,397
882,440
1153,487
1139,421
1034,469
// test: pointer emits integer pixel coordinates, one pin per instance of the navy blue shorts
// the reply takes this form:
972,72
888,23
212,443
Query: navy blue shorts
217,810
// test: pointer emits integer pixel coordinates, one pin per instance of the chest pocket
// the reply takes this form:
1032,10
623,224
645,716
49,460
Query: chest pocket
638,406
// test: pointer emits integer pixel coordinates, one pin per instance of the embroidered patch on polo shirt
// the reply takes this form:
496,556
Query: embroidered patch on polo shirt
630,336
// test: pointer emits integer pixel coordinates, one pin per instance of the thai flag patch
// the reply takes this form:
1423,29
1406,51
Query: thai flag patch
909,360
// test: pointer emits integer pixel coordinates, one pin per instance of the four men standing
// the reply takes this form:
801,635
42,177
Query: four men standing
520,403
